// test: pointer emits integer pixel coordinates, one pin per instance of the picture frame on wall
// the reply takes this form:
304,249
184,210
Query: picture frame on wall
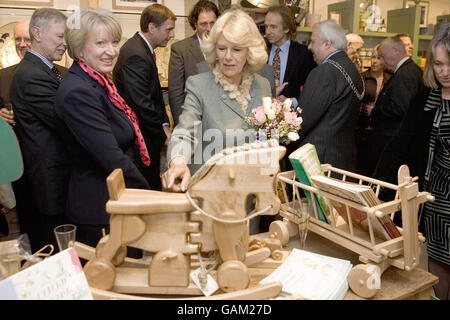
28,3
424,9
299,3
133,4
336,16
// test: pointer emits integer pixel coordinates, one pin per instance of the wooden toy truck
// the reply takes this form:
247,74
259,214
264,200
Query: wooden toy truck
377,255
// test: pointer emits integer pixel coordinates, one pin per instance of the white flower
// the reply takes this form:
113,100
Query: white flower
267,103
299,121
287,104
293,136
271,114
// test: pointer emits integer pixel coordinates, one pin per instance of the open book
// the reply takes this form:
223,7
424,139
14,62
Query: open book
313,276
384,227
306,163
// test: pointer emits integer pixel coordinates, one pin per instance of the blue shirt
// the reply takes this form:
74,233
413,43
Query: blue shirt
284,53
330,55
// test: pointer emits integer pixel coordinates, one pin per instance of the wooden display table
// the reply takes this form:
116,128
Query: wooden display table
396,284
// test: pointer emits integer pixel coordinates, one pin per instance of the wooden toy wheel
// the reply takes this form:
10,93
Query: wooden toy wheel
100,273
232,276
277,255
279,231
364,280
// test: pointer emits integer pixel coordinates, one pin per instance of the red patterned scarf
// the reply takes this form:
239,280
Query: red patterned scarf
113,95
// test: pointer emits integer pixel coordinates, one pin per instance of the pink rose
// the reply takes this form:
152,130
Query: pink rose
260,115
290,117
277,106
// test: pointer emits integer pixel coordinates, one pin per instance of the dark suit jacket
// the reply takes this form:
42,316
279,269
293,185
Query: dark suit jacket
396,97
184,56
299,64
330,112
410,144
101,139
6,76
266,71
39,130
136,78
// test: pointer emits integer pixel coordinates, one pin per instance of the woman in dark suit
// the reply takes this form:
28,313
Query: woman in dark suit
435,216
104,131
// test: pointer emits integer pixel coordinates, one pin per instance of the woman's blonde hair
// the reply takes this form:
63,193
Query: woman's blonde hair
76,35
238,28
441,38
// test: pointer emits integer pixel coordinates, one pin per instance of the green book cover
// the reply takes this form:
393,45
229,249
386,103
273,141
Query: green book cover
306,163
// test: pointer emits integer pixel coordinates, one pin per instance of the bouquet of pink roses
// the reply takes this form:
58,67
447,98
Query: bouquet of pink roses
275,119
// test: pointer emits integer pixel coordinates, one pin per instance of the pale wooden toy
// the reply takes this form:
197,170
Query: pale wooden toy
377,255
179,228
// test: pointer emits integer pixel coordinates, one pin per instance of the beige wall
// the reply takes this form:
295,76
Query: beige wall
129,19
130,22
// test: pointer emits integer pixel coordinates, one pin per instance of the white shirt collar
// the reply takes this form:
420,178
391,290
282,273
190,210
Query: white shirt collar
146,41
199,39
399,64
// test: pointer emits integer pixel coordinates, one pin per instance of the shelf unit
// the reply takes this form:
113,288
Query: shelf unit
405,20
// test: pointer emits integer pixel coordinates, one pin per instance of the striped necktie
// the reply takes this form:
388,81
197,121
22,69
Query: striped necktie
57,73
276,64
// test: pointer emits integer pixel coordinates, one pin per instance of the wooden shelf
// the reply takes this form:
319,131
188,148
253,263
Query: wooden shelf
425,37
375,34
304,29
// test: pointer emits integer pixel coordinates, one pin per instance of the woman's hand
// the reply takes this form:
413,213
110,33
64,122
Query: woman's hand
7,115
177,177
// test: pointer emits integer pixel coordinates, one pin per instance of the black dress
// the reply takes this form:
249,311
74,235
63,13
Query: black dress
436,215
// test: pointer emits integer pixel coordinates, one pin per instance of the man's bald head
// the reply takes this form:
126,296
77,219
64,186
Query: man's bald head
22,37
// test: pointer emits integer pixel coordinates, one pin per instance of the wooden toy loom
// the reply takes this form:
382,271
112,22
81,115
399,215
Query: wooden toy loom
401,252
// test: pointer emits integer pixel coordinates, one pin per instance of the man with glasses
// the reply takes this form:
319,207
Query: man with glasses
23,43
22,37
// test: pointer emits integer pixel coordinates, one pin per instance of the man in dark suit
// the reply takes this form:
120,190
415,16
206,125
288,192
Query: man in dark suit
136,77
291,60
22,43
46,164
186,54
331,98
403,91
397,118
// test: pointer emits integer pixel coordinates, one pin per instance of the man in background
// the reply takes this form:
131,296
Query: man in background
331,98
291,61
396,117
354,44
39,130
402,92
136,77
406,39
186,54
23,43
